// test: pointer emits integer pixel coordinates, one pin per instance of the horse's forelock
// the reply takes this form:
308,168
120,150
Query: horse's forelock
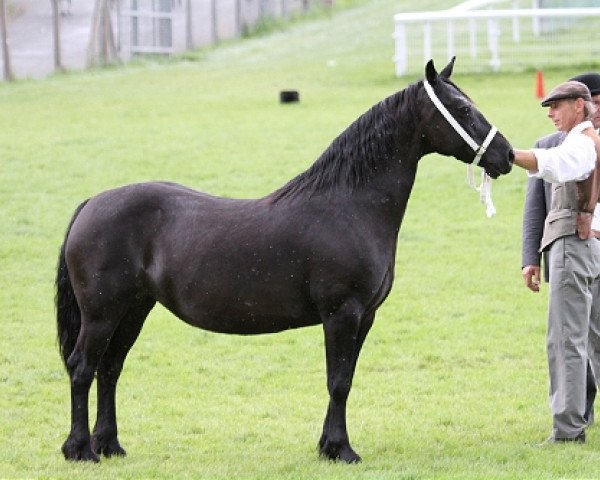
460,90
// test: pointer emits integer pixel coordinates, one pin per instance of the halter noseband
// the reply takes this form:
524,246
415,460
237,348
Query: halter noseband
478,149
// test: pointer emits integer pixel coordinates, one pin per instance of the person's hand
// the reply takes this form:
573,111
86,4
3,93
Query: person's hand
584,225
525,159
531,277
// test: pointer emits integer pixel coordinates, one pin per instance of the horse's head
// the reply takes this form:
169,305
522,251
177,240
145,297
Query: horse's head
453,126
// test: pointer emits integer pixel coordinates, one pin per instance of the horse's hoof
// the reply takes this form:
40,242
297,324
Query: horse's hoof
79,453
349,456
111,451
111,448
343,453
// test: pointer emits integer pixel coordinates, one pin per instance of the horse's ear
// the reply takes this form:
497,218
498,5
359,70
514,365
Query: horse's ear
447,71
430,72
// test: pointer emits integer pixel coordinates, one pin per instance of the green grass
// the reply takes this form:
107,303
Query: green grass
452,379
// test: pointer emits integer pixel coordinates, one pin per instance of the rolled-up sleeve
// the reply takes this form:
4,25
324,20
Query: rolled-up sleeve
573,160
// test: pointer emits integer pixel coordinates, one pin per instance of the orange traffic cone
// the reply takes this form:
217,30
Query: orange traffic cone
539,85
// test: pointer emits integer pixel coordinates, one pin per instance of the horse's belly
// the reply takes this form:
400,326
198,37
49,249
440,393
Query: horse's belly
225,312
248,323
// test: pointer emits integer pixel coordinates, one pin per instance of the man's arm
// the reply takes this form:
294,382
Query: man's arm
535,210
588,192
534,215
573,160
526,159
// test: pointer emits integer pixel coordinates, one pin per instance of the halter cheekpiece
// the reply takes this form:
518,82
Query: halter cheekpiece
478,149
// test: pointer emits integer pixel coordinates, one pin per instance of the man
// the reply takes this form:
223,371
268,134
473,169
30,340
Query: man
537,205
574,254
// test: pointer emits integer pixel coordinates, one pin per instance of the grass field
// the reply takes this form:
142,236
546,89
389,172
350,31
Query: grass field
452,380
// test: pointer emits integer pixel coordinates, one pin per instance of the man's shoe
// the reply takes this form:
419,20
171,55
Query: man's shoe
551,439
578,439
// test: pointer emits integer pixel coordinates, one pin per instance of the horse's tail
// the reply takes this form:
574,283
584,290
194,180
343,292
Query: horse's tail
68,315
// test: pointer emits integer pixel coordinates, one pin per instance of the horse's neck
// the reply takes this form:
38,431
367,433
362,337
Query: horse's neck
390,189
396,173
376,156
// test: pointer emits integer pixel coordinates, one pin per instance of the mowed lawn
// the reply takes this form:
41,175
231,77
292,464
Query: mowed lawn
452,380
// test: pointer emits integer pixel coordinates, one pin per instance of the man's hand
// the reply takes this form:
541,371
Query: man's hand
525,159
531,277
584,225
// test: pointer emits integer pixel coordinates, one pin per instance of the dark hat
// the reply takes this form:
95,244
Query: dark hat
568,90
591,80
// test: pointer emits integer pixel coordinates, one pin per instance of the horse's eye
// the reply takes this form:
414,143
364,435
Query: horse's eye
466,110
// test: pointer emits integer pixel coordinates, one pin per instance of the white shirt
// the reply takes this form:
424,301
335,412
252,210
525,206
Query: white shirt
572,160
596,219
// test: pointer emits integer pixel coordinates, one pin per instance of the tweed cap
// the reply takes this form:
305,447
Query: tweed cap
568,90
591,80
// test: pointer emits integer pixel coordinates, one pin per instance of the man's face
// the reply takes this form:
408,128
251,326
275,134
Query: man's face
596,102
566,113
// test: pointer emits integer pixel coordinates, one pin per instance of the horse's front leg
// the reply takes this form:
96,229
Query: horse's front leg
343,339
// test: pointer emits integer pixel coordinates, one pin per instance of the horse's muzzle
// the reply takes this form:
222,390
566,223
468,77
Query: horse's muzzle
496,169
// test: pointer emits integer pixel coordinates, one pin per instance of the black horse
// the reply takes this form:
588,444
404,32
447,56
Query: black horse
319,250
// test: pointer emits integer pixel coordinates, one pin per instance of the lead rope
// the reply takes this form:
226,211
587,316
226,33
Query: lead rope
484,189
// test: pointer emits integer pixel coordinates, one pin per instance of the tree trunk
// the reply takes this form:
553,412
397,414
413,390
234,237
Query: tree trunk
8,73
102,49
213,17
56,37
189,37
238,18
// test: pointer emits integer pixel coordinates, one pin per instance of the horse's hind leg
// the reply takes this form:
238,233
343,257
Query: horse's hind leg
345,332
104,438
92,341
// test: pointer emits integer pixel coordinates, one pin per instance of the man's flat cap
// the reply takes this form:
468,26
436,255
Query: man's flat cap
590,80
568,90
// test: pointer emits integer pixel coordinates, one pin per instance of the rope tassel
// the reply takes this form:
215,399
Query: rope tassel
484,189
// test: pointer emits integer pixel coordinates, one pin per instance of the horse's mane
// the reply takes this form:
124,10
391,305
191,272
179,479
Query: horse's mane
353,155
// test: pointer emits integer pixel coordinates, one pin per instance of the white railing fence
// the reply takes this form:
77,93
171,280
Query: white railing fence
497,40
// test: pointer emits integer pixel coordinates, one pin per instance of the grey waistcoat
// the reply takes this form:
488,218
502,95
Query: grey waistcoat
562,218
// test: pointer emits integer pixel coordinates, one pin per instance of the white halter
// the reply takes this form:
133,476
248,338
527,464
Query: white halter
485,189
478,149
